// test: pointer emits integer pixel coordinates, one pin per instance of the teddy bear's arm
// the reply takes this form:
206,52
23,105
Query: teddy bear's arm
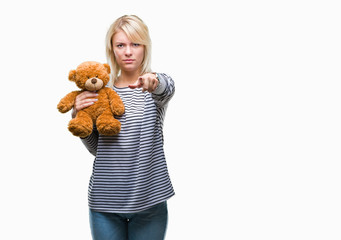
116,104
67,102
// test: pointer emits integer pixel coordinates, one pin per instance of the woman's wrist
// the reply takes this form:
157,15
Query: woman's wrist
161,86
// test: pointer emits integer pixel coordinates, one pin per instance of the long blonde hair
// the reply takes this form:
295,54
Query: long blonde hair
137,32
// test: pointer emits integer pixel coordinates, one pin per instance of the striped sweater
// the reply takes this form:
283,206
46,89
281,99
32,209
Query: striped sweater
130,171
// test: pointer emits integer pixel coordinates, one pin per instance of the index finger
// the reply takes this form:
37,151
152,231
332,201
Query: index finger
137,84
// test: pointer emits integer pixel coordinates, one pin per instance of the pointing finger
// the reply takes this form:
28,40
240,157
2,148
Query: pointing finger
139,83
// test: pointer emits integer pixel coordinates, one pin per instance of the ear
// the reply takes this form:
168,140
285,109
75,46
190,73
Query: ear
72,75
107,67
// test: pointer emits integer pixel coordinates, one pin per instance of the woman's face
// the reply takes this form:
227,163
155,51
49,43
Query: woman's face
129,55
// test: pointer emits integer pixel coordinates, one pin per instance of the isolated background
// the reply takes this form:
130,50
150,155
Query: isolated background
252,135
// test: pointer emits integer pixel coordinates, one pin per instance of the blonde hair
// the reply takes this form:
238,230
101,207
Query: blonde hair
137,32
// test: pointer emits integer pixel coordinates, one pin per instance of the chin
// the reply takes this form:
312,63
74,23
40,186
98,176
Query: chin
129,68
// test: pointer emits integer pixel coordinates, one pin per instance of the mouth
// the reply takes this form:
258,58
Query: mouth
128,60
95,87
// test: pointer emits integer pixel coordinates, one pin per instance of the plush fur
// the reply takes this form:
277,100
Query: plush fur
93,76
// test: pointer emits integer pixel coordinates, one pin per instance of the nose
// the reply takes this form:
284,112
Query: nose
93,81
128,51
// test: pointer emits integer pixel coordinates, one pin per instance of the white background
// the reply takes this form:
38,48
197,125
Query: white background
252,135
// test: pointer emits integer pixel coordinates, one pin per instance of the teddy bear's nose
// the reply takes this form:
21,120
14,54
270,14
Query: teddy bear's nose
93,81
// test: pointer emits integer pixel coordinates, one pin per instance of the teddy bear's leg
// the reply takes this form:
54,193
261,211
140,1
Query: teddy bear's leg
81,125
107,125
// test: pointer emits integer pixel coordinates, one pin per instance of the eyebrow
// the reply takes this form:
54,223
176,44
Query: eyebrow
120,41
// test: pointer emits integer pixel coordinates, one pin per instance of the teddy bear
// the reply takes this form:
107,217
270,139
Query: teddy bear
93,76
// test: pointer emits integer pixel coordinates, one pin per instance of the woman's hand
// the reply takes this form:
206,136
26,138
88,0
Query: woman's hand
148,82
83,100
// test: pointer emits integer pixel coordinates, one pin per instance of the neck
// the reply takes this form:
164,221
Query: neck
127,78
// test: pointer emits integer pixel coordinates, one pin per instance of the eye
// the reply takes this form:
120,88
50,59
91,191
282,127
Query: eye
96,76
136,44
119,45
88,77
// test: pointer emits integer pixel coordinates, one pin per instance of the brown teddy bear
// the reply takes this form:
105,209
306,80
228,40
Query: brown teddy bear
93,76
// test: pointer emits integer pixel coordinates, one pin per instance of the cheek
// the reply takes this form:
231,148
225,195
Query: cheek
80,83
118,55
141,55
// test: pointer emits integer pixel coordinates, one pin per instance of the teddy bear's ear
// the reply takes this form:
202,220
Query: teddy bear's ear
107,67
72,75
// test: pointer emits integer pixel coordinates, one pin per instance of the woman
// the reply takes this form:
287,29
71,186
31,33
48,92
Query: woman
130,184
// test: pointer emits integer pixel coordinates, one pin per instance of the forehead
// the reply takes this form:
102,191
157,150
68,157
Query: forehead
120,36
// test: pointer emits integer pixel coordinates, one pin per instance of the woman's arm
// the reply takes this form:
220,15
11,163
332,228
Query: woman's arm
84,100
91,141
159,84
165,90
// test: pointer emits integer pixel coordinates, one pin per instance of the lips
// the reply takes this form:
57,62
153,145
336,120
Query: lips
128,60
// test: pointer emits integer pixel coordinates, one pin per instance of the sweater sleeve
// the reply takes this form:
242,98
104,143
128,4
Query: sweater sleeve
91,141
165,91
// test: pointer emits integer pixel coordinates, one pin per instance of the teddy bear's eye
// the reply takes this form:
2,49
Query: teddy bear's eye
88,77
96,76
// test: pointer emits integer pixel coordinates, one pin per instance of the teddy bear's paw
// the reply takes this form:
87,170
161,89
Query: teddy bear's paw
110,129
79,130
63,108
118,111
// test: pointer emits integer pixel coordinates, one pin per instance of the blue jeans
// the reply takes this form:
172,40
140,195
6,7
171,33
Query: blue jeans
149,224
